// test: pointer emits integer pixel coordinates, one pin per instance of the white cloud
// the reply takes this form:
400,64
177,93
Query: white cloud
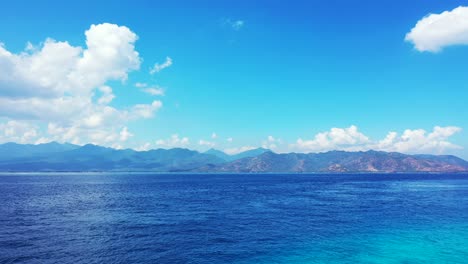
271,143
107,95
173,142
436,31
155,91
140,85
230,139
336,138
206,143
21,132
146,110
234,24
57,68
80,135
159,67
411,141
145,147
419,141
233,151
53,84
125,134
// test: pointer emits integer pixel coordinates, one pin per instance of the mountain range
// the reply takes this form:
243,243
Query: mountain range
68,157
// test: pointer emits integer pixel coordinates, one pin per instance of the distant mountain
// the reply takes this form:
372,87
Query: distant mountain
341,161
250,153
97,158
67,157
14,150
220,154
245,154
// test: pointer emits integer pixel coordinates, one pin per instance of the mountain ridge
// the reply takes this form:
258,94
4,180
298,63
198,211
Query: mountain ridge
345,162
68,157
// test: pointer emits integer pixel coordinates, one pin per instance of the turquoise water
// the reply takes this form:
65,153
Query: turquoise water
139,218
441,244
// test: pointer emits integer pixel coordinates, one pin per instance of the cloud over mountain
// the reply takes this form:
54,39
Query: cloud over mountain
351,139
53,85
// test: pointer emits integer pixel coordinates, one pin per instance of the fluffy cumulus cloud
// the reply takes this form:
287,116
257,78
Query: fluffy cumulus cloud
337,138
436,31
63,88
57,67
410,141
420,141
173,142
159,67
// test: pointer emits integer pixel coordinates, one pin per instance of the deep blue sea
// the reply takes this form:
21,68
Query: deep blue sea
142,218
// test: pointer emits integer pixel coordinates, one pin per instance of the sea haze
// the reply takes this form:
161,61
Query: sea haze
233,218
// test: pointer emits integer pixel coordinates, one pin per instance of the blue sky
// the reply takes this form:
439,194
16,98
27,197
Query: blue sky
294,76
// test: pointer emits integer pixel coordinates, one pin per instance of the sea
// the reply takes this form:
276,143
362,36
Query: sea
233,218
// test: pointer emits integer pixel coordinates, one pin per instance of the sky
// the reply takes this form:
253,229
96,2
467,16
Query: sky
296,76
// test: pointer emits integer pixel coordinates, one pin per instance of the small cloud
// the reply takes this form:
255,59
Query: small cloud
155,91
271,142
232,151
436,31
206,143
140,85
144,147
214,135
237,25
173,142
114,146
234,24
159,67
230,139
145,110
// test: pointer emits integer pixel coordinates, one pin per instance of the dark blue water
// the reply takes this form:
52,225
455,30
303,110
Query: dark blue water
119,218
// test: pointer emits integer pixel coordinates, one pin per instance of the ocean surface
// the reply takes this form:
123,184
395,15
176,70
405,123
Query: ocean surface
143,218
